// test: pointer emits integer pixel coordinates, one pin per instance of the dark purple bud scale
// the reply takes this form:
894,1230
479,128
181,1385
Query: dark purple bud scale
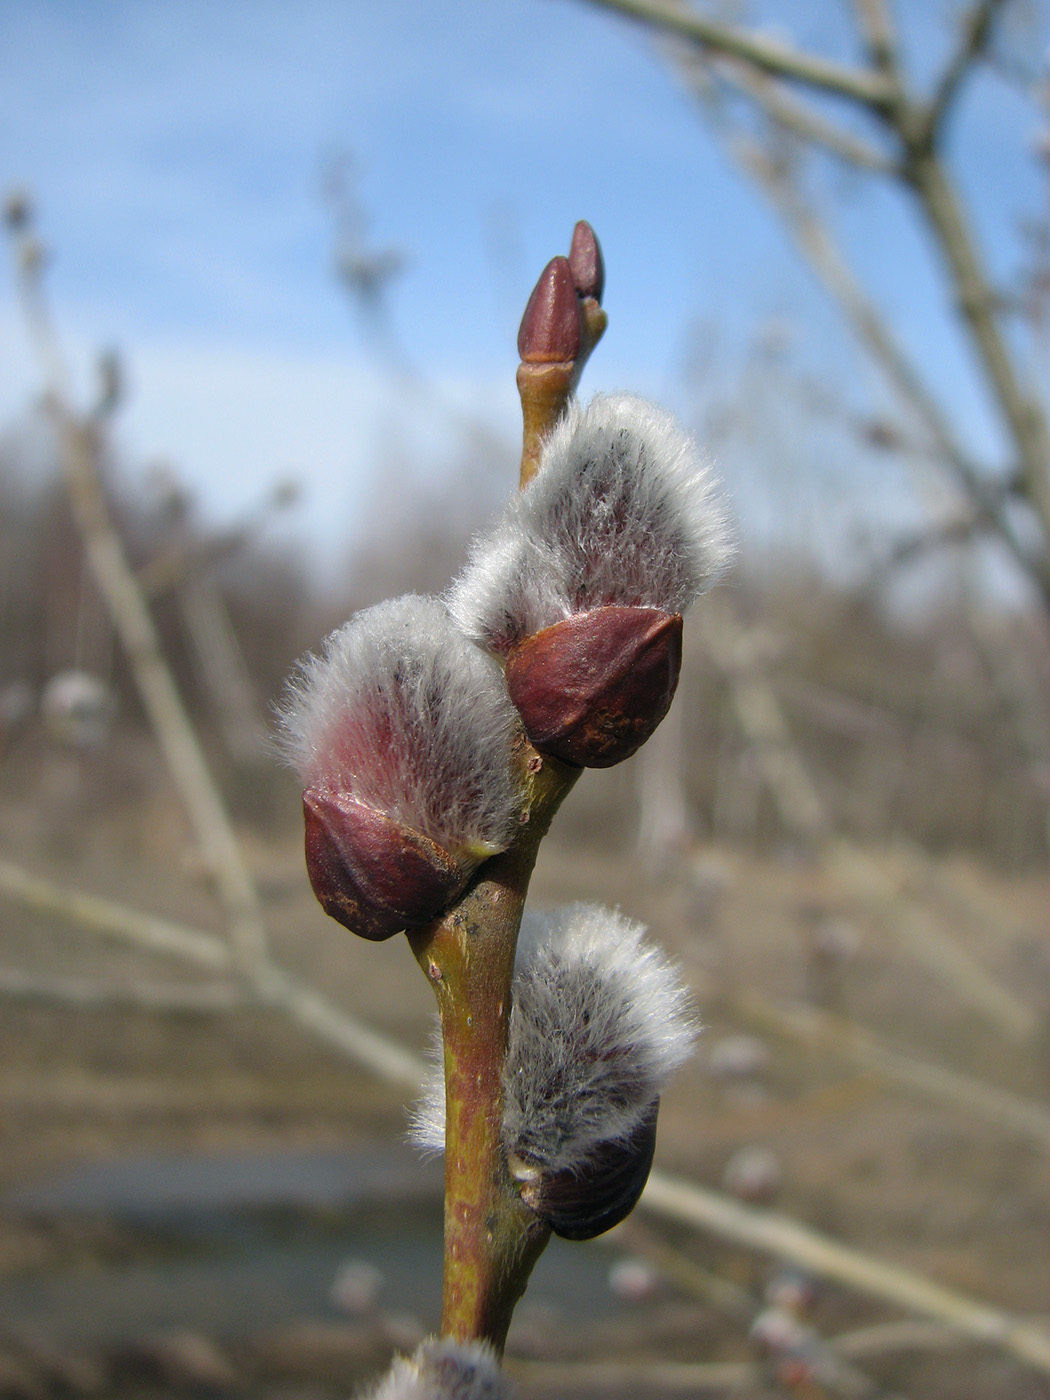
550,329
585,259
582,1203
592,688
372,873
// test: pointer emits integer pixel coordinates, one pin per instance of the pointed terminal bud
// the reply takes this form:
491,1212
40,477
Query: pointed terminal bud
403,734
550,327
588,272
585,260
591,689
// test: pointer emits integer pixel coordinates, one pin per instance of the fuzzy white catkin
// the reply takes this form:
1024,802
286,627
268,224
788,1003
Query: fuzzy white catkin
623,511
401,712
444,1370
601,1020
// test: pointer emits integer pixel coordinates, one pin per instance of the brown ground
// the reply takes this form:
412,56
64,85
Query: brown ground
893,1172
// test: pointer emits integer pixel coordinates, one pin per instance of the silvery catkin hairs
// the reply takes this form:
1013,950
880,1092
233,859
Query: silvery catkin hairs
623,511
442,1369
600,1022
408,717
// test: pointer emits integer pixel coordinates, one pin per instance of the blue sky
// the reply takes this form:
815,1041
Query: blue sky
176,150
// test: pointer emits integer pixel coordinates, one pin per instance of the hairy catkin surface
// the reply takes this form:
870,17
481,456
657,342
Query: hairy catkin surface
623,511
404,714
601,1020
444,1370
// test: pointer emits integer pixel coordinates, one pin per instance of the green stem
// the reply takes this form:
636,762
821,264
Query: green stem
492,1240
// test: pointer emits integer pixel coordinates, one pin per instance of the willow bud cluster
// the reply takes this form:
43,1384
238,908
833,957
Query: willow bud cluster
435,737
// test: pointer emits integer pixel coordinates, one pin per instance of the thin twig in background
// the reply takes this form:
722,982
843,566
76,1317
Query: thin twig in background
787,1239
765,54
124,599
730,1377
805,1025
795,117
914,128
820,1030
813,240
803,813
106,917
688,1203
279,991
880,34
139,995
975,31
920,937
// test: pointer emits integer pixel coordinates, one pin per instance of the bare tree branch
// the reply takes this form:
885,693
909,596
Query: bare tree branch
814,241
915,125
976,31
869,89
978,305
262,981
19,985
775,1234
804,813
123,596
820,1030
186,762
880,36
113,920
800,120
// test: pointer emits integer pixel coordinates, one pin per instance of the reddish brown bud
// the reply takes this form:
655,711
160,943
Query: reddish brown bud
591,689
550,328
372,874
585,259
581,1203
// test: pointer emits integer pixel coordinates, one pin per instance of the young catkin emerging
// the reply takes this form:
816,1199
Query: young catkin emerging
624,511
601,1020
442,1369
402,714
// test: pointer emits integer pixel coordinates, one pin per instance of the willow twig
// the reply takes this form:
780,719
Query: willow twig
686,1202
266,983
113,920
209,999
921,938
814,241
821,1030
804,814
880,36
975,33
124,599
869,89
800,120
